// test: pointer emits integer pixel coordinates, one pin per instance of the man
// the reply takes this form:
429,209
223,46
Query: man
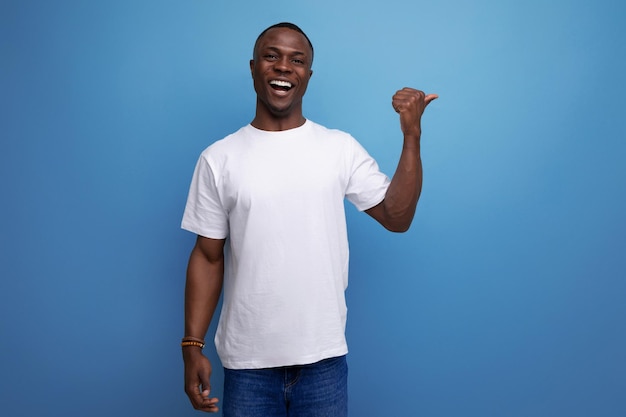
275,189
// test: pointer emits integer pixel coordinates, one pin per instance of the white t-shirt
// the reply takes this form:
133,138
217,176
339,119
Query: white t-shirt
278,198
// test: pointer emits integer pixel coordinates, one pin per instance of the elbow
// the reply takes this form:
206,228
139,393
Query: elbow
392,219
397,228
399,222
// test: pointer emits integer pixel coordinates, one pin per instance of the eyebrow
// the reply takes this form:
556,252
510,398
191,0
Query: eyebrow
277,49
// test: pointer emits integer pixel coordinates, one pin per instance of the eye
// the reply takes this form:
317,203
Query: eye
270,57
297,61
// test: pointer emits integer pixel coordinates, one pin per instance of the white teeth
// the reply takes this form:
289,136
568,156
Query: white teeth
280,83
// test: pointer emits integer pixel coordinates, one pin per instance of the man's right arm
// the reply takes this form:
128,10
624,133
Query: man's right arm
205,275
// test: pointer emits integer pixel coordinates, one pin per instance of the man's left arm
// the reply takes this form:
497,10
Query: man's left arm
396,211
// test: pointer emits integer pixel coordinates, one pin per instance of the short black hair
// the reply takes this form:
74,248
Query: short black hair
287,25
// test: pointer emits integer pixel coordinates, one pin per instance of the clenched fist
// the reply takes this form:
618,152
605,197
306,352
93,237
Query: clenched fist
410,104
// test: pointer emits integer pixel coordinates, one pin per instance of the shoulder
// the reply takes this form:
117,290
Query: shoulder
323,130
343,142
336,136
226,145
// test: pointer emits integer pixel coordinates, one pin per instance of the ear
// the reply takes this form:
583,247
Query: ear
252,67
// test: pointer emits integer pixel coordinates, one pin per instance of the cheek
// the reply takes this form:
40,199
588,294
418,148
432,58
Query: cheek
305,84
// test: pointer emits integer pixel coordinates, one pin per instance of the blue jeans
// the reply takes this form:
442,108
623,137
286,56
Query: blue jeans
316,390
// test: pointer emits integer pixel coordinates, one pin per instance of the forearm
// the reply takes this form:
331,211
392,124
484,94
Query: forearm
396,211
401,199
205,276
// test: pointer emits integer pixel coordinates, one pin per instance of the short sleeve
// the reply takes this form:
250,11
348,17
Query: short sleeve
204,213
367,185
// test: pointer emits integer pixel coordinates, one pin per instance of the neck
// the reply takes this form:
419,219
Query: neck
277,125
272,122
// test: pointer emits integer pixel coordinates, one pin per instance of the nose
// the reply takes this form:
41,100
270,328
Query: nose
282,64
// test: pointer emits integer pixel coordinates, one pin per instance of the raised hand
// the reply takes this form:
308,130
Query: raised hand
410,104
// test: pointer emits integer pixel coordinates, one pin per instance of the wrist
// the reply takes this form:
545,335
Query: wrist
191,353
192,342
412,135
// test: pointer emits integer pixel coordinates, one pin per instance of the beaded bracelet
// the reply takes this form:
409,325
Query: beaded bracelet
192,343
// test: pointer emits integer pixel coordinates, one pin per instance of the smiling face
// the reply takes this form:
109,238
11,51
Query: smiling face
281,70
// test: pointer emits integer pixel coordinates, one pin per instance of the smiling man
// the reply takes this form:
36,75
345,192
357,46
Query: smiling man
281,70
266,203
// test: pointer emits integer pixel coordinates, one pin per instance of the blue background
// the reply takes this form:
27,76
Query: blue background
506,297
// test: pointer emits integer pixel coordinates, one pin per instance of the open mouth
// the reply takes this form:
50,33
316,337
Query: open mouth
281,85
